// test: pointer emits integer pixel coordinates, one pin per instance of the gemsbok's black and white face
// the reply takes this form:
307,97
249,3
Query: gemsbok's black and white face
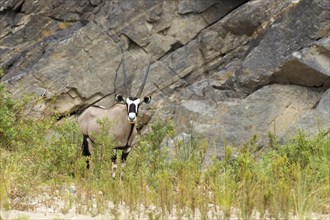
132,104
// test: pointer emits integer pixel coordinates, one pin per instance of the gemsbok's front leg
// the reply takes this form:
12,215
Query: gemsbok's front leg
114,163
124,155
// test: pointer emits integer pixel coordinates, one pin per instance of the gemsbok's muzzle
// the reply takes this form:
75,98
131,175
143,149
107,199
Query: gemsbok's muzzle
132,117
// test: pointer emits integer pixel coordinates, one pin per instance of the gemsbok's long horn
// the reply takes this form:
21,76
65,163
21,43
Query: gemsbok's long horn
125,76
144,80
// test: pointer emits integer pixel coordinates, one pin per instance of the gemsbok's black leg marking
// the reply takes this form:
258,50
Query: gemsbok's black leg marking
125,154
86,151
114,157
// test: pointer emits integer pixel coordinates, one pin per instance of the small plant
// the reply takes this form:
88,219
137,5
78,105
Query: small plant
2,72
46,33
64,25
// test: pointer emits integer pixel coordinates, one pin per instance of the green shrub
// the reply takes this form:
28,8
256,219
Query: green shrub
7,118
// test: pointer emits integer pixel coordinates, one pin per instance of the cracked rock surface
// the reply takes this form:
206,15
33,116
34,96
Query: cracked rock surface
225,70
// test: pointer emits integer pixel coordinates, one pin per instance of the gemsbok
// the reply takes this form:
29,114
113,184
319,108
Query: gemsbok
122,116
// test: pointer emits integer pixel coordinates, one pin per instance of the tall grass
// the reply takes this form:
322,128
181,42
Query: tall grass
41,163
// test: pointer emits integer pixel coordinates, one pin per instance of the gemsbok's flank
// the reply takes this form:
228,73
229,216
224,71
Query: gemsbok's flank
122,116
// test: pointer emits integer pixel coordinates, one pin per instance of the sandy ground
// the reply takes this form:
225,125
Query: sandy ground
54,211
13,214
44,215
122,213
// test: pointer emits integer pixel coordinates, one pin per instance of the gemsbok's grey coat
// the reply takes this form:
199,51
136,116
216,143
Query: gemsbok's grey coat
122,116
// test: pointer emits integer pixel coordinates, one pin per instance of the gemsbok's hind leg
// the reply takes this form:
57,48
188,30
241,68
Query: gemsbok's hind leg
85,150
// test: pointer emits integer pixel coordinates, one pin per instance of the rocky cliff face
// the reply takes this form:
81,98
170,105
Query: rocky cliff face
225,70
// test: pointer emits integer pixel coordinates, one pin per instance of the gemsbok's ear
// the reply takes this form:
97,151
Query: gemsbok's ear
147,99
119,98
